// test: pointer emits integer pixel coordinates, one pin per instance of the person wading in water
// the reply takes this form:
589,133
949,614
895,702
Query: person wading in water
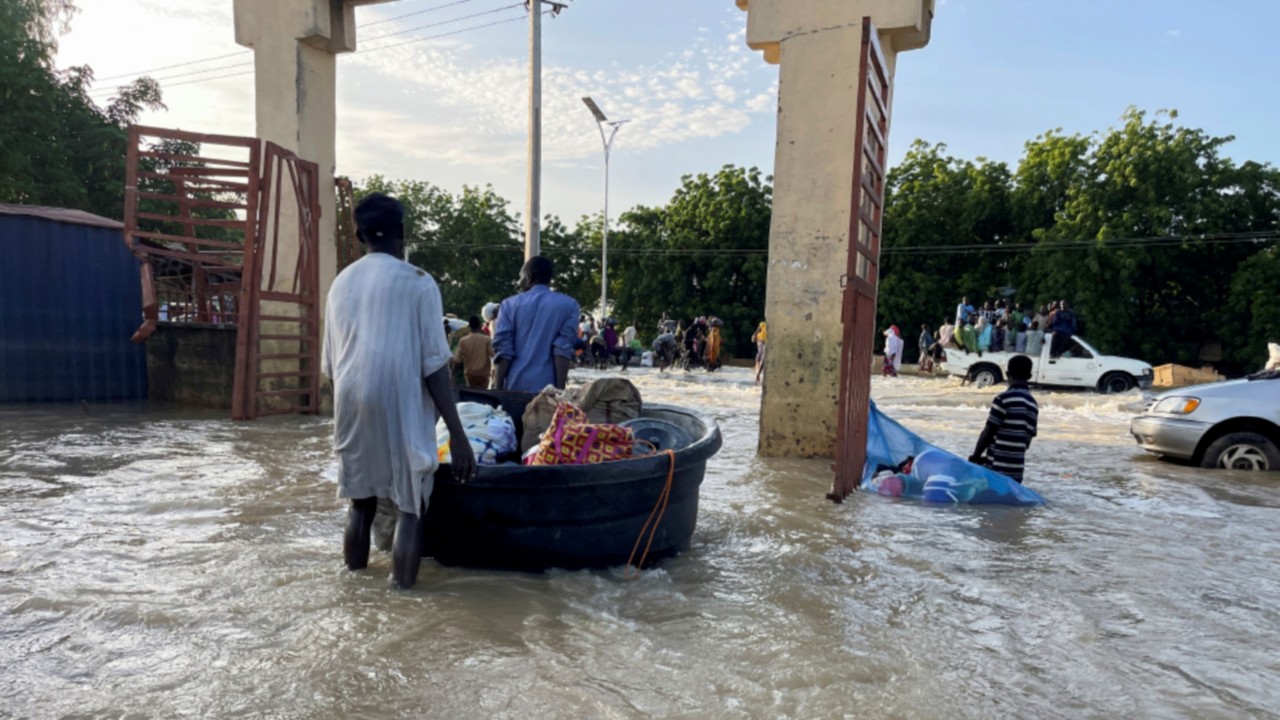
386,351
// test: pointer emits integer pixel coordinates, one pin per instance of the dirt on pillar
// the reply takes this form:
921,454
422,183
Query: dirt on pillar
817,44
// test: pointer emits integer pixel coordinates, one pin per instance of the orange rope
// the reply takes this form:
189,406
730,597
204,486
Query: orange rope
659,509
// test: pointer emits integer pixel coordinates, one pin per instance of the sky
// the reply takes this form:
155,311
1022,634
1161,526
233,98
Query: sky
452,110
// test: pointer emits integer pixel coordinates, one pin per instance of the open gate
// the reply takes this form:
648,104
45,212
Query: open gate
190,208
204,214
859,283
278,356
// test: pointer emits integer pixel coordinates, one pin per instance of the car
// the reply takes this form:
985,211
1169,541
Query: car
1081,366
1233,424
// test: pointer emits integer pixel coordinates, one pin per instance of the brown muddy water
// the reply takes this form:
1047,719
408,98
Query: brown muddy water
171,564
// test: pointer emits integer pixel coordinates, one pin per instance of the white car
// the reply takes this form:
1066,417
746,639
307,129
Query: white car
1233,424
1081,366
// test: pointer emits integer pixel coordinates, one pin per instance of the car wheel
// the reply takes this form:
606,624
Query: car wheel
985,376
1116,383
1242,451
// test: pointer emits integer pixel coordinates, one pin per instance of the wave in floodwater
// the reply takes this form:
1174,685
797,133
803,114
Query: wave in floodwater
158,564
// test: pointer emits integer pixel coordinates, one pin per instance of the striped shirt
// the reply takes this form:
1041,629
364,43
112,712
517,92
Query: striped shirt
1013,417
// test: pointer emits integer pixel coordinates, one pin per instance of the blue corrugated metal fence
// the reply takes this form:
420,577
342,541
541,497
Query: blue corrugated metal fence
69,301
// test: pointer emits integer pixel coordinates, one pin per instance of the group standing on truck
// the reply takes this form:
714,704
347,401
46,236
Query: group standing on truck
1000,326
979,341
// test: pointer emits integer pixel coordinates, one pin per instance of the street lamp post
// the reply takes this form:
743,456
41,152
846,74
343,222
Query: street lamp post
607,142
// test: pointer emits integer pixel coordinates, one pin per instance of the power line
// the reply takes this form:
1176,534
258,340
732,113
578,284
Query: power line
417,12
239,53
102,93
140,73
443,22
1117,243
1113,243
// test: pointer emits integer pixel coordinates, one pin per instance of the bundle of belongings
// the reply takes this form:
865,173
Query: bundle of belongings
1272,370
490,430
901,464
581,425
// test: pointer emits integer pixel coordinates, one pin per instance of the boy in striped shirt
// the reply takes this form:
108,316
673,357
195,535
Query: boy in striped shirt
1010,425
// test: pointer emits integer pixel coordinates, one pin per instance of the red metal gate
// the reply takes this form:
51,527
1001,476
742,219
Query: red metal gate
858,313
189,210
286,304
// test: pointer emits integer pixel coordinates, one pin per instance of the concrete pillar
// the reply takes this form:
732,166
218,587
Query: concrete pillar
817,45
295,44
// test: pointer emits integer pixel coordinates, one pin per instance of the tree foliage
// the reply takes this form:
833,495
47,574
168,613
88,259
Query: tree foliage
1087,219
683,259
686,259
56,146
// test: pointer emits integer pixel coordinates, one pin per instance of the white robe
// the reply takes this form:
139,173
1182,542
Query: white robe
383,334
893,346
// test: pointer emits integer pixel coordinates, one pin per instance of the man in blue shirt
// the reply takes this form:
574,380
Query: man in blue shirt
533,344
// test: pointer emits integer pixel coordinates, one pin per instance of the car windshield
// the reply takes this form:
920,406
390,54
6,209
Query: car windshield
1077,349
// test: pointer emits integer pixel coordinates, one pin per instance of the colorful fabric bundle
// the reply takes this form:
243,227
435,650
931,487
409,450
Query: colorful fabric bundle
572,440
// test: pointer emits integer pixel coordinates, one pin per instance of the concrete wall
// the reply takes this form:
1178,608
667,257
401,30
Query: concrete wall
191,364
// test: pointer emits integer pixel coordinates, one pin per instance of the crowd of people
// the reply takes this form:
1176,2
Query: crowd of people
599,344
686,345
994,326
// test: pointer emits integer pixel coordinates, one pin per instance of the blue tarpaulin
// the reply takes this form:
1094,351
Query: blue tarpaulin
932,474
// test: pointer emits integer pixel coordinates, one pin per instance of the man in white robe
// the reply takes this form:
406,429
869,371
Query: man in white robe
385,349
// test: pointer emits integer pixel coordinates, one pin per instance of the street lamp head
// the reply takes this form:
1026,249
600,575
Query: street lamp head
618,123
595,109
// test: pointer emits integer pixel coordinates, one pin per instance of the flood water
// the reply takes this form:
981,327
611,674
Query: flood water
175,564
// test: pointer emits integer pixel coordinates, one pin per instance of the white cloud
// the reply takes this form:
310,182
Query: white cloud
476,114
1175,34
452,110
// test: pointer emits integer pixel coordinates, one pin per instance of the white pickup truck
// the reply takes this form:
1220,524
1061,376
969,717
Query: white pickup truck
1081,366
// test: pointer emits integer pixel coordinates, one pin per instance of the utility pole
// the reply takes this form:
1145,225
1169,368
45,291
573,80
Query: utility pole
533,190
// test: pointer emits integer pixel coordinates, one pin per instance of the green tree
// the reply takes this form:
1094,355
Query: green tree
469,242
1093,210
56,146
1253,310
939,213
703,254
1152,178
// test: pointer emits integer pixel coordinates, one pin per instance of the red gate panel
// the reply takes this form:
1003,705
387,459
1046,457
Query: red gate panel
278,371
858,313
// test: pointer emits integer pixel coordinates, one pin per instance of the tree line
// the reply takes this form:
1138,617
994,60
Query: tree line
1166,247
57,146
703,253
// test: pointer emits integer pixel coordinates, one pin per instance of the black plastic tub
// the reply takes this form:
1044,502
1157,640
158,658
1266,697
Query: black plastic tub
567,516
